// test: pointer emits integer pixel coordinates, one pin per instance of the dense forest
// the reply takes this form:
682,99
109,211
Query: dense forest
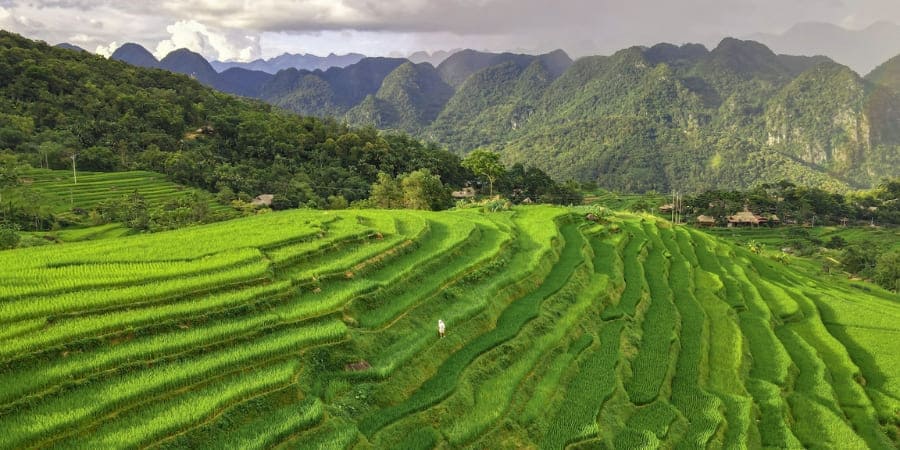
60,105
658,118
684,118
113,116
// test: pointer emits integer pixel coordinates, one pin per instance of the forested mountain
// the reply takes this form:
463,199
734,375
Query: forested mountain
664,117
329,93
689,119
887,75
135,54
409,98
112,116
69,46
191,64
492,102
461,65
243,82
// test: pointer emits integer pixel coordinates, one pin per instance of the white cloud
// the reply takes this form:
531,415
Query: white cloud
219,29
8,20
212,44
107,50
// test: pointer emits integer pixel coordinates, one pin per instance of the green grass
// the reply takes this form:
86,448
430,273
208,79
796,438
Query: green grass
508,325
594,382
59,190
650,367
317,329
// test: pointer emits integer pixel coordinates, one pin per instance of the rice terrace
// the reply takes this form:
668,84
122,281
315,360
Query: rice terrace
316,329
491,224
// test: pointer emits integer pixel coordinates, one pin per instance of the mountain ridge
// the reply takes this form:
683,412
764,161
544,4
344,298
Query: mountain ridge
304,61
636,120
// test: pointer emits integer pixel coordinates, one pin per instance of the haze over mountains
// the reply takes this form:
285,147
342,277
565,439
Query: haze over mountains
861,50
292,61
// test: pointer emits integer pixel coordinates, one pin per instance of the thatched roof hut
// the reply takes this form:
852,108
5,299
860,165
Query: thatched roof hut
706,221
262,200
466,192
746,217
667,208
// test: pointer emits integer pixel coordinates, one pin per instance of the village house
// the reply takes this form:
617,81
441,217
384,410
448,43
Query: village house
262,200
706,221
466,192
746,218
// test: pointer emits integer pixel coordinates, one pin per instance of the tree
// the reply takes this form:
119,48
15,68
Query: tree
9,172
887,270
9,238
386,192
135,214
860,258
485,163
337,202
422,190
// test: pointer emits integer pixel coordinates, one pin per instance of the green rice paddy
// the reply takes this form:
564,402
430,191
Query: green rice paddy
315,329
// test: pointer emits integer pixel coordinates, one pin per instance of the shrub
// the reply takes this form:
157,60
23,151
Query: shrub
836,242
887,270
9,236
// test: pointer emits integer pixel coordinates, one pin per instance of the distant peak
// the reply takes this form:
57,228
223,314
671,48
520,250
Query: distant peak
730,44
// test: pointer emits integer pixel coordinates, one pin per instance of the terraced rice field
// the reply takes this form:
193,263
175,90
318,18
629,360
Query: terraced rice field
312,329
58,189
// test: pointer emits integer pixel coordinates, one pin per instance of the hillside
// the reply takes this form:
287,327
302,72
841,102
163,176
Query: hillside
329,93
305,329
645,118
410,98
691,120
887,75
116,117
55,188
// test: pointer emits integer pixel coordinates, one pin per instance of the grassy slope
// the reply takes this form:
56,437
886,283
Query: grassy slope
57,189
318,329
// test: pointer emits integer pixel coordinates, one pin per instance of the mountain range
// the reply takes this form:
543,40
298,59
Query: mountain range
289,61
645,118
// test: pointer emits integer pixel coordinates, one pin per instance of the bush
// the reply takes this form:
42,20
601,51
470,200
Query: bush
860,258
9,237
836,242
887,270
496,205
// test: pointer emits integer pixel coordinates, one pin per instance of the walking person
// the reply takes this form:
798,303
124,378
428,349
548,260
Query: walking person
441,327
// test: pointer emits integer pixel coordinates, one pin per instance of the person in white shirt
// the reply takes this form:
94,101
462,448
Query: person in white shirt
441,327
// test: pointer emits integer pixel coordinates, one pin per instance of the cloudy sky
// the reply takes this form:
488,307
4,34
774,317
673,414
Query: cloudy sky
248,29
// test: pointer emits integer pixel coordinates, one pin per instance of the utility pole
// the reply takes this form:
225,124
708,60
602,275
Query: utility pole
678,208
673,206
74,174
